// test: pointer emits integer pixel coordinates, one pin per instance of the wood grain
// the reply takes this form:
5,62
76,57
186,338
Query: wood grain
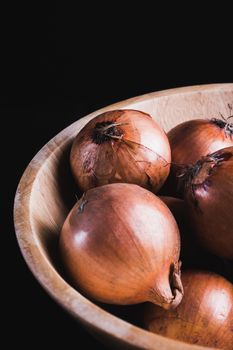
46,193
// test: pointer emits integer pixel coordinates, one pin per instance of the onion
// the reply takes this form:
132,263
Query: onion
121,146
190,141
120,244
209,200
205,315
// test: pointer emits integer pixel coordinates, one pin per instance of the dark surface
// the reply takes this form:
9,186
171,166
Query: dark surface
58,64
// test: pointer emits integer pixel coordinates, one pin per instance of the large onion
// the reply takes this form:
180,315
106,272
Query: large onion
190,141
120,244
209,200
205,315
121,146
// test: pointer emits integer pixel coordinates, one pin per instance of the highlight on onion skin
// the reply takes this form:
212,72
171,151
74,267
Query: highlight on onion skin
121,146
209,201
120,244
204,316
192,140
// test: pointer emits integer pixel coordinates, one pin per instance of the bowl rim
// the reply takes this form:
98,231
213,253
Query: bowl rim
84,310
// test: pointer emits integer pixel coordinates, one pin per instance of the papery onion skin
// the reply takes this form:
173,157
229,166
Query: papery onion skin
209,200
190,141
120,244
205,315
121,146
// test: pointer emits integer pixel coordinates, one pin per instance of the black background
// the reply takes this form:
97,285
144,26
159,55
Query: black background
57,65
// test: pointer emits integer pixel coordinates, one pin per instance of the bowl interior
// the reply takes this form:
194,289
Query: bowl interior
52,189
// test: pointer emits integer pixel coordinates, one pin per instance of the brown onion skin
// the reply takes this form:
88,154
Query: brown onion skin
204,316
139,153
120,245
190,141
209,200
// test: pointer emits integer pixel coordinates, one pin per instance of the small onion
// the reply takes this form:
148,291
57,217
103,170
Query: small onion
121,146
190,141
120,244
205,315
209,201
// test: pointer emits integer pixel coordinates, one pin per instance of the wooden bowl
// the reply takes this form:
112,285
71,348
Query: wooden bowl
46,193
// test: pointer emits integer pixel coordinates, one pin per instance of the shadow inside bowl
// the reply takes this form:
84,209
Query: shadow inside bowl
54,194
